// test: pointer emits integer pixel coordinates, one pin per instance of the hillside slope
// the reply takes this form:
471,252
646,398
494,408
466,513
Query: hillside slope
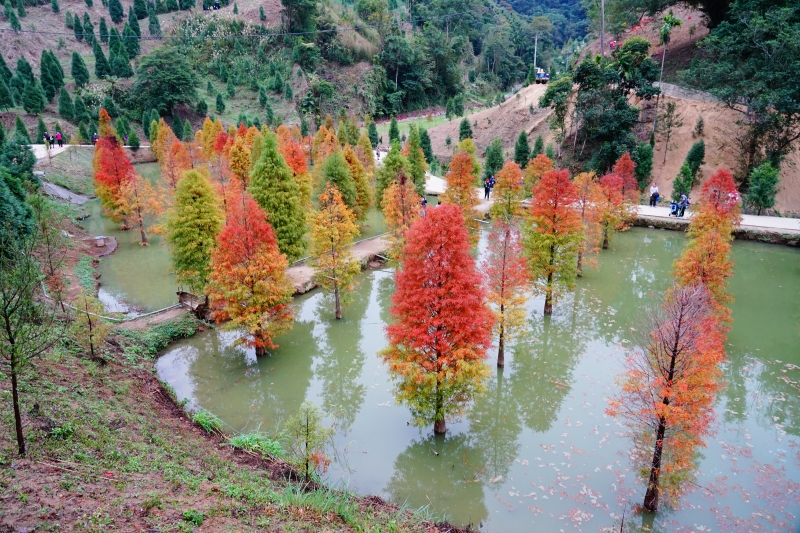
520,112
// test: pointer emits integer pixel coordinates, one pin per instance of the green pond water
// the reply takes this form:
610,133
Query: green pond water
536,451
140,279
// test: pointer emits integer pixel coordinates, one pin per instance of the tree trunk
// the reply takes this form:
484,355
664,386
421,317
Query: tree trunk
660,89
440,427
260,351
501,355
17,413
605,238
651,496
580,263
439,424
337,301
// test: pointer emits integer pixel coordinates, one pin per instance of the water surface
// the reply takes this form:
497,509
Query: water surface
536,452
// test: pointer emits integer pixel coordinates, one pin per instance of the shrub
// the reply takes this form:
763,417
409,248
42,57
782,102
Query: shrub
255,442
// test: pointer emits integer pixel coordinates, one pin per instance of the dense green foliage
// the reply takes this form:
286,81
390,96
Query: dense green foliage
164,79
763,187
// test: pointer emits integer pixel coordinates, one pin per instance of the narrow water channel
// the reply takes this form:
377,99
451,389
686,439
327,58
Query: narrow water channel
536,452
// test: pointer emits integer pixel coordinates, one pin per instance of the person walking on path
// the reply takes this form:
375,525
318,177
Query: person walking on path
653,194
486,189
60,139
491,185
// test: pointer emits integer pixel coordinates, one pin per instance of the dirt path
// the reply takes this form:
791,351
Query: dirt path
56,191
302,275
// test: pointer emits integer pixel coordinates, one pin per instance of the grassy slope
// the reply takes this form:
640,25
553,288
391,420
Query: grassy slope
110,451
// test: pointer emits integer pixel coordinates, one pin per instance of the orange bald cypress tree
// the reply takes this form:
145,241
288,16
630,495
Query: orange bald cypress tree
163,140
461,191
668,389
112,169
553,236
292,152
363,191
613,209
141,205
505,276
509,191
175,160
401,207
441,324
239,159
248,286
587,187
535,170
625,168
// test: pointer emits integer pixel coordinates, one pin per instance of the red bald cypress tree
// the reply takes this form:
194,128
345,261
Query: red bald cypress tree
442,324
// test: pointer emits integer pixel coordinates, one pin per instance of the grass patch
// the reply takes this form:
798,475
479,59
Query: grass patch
84,271
147,343
208,421
71,170
255,442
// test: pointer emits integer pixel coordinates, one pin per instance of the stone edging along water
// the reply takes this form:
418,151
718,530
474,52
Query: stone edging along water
786,237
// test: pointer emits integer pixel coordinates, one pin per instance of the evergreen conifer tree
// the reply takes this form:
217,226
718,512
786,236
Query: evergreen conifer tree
133,140
464,130
153,25
188,4
394,131
120,64
33,98
21,9
188,132
68,20
40,129
56,70
48,84
54,6
140,7
763,187
538,147
336,171
65,106
89,3
273,186
101,67
115,11
77,28
78,70
288,93
696,157
6,100
81,112
103,30
5,72
230,88
304,126
416,160
83,132
20,132
171,5
177,127
133,22
114,42
110,107
131,41
202,109
372,133
643,157
425,143
522,149
14,22
494,158
235,8
24,70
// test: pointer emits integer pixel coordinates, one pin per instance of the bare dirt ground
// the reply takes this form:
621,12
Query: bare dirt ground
520,112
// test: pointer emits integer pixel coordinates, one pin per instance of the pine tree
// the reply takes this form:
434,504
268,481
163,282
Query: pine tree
68,20
133,140
333,228
643,157
230,88
115,11
133,21
417,165
77,28
40,129
274,188
55,69
82,113
538,147
261,15
682,184
696,157
21,9
6,100
103,30
394,165
763,187
220,104
192,229
131,41
394,131
464,130
54,6
288,94
188,132
248,285
436,357
153,25
552,237
33,98
78,70
14,22
48,84
372,133
101,66
89,3
235,8
336,171
140,8
425,143
5,72
522,150
171,5
494,158
65,106
20,132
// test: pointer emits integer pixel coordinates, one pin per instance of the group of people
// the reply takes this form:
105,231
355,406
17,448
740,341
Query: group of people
675,208
51,140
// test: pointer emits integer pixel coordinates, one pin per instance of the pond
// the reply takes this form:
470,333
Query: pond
138,279
536,452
